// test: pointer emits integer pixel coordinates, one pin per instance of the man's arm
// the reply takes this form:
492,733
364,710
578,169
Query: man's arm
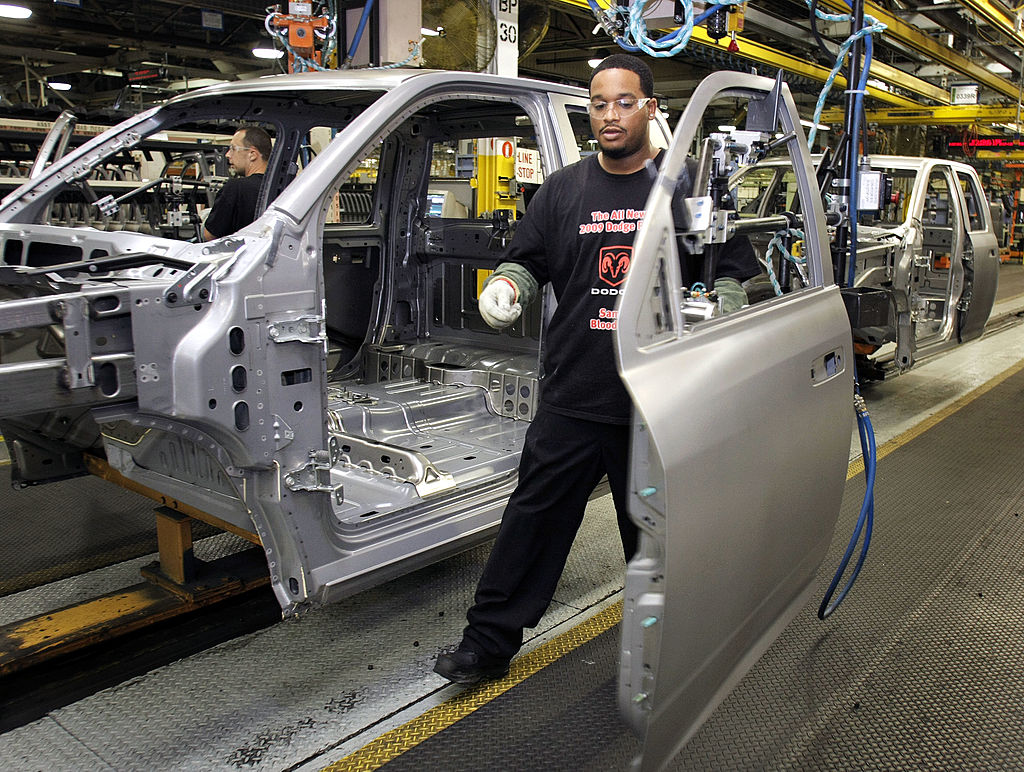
218,221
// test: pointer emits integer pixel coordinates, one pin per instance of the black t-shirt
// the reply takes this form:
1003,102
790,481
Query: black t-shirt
235,206
578,234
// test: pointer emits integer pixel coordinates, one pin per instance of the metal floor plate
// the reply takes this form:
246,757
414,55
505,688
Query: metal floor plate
99,524
65,529
277,698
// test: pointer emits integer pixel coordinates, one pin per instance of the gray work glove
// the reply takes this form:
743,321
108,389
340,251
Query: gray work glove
731,293
498,303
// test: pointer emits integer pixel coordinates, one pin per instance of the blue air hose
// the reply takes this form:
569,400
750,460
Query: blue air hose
865,520
359,32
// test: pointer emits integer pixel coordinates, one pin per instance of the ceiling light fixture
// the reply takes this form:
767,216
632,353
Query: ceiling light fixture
58,85
8,11
267,53
821,126
998,68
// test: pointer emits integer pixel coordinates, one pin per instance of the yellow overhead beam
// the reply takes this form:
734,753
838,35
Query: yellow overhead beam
948,115
899,30
760,53
756,52
1000,155
997,16
889,74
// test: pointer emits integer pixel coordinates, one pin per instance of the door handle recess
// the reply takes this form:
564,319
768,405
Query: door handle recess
827,366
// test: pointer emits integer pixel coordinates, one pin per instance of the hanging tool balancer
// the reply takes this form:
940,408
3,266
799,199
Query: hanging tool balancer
302,28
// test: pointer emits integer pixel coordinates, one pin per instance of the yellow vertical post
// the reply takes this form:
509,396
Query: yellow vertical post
495,168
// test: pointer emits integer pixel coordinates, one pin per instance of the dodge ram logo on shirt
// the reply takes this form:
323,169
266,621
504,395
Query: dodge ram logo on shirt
613,264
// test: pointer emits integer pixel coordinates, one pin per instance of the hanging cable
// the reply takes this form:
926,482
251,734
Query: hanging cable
813,6
866,518
628,27
358,34
866,31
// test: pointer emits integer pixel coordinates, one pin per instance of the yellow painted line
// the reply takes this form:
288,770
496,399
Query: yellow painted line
400,739
857,465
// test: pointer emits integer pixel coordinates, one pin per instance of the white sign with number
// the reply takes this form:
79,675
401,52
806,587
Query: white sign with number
506,53
966,94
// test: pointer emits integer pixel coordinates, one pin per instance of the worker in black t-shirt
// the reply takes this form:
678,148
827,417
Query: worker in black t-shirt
236,203
577,234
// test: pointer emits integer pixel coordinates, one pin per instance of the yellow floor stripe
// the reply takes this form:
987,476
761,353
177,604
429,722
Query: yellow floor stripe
857,465
402,738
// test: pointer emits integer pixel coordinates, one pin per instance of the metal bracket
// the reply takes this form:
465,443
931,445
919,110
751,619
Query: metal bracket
303,329
698,217
315,475
283,433
763,114
107,205
74,314
193,287
510,395
391,461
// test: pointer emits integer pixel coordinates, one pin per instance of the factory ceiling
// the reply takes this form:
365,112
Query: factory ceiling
129,54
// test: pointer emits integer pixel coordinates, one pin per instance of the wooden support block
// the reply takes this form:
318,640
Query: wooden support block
174,540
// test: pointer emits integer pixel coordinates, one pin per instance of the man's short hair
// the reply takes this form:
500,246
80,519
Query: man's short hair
631,63
257,138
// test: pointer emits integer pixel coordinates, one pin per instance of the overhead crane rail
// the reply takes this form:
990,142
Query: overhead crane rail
898,30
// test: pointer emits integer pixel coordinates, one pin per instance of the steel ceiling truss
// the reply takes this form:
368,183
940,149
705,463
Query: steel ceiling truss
897,31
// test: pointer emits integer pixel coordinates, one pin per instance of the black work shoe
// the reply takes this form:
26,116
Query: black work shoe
468,667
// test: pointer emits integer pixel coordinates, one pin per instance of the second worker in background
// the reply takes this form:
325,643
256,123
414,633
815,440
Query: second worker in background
237,201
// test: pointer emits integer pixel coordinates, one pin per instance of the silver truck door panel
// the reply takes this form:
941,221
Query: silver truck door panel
980,258
981,280
740,443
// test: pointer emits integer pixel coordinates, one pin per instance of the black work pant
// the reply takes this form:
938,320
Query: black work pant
563,460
